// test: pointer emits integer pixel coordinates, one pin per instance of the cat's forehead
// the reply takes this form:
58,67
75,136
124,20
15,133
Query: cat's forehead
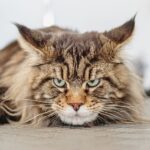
79,41
77,52
78,55
85,46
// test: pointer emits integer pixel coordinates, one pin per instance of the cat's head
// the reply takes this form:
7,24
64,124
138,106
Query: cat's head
80,78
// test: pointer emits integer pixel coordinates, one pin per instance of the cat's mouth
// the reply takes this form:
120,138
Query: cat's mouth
69,116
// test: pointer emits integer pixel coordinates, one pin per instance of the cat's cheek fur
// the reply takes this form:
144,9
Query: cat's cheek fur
82,116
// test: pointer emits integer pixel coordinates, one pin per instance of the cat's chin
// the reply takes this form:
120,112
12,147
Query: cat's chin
77,120
83,116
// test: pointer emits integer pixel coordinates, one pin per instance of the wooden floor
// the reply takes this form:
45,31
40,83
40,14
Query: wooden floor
112,137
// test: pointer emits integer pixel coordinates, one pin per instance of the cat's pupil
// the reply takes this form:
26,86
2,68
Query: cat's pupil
92,81
59,81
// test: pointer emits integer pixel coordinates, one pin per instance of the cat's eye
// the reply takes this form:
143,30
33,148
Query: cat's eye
93,83
59,83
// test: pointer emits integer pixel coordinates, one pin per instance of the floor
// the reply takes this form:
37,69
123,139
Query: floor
112,137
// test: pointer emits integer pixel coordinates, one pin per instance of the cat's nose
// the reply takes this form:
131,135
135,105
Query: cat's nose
76,106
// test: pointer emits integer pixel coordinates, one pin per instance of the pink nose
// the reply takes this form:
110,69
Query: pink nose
76,106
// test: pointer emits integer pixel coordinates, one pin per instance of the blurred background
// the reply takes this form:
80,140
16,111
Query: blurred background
83,15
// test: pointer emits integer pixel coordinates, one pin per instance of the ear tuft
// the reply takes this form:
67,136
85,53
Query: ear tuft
33,37
121,33
36,42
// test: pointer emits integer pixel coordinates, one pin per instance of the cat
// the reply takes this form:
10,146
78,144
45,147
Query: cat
55,76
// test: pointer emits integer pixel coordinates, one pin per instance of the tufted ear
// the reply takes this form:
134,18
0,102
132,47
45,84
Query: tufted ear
122,33
35,41
116,38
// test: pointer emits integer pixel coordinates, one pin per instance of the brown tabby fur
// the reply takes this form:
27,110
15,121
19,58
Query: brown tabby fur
28,67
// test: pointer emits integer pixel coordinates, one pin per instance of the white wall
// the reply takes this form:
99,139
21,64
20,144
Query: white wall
29,12
78,14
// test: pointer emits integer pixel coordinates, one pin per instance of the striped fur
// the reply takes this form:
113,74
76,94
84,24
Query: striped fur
28,69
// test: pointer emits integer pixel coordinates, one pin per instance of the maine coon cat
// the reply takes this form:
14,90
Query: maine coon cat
58,76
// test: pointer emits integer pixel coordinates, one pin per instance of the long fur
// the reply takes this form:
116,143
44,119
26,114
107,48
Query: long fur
58,52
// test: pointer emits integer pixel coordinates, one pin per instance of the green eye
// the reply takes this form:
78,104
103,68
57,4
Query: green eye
93,83
60,83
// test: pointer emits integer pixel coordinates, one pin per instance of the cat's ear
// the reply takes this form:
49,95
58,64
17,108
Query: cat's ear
122,33
33,41
115,39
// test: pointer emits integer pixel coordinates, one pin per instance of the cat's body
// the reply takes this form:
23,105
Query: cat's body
61,76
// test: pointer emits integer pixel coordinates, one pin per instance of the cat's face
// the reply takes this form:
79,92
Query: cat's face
78,92
80,78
